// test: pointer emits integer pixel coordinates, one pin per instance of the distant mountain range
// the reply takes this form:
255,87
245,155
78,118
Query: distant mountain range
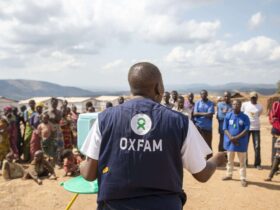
23,89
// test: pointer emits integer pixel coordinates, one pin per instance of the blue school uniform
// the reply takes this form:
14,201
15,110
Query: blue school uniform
140,165
201,121
235,124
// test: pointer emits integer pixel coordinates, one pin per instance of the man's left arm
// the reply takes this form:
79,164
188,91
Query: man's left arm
194,151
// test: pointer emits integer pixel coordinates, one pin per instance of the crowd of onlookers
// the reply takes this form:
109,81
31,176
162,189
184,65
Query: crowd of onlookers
41,138
47,138
237,123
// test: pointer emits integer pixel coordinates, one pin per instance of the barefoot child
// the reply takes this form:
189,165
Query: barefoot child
77,156
39,167
69,163
236,127
10,169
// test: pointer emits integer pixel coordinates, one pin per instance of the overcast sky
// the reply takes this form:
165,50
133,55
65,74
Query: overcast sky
92,43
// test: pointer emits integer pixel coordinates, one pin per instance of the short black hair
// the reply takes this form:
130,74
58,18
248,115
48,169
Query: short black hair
109,104
66,153
89,104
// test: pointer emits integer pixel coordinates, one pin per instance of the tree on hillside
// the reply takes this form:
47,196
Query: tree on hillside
278,86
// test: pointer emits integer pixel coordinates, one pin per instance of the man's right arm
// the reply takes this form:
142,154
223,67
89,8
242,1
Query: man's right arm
91,149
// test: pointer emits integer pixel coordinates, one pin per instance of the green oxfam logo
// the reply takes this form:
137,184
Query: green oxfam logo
141,124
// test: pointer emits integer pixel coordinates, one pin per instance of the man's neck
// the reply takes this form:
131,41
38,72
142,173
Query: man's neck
142,97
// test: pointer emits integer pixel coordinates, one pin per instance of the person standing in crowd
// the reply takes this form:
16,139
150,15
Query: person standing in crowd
12,129
180,106
22,128
18,120
34,121
189,104
108,105
203,115
276,161
166,100
64,105
236,128
48,144
28,130
254,110
55,116
65,125
223,108
274,119
74,121
120,100
136,178
174,98
89,107
4,140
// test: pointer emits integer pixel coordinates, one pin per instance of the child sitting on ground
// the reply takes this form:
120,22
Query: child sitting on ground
276,161
39,167
77,156
69,163
10,169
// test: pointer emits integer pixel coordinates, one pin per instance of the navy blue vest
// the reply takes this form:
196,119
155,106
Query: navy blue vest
132,165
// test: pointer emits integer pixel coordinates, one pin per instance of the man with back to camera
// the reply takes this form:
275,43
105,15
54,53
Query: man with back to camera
137,150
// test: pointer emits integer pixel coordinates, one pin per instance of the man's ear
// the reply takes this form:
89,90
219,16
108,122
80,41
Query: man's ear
157,89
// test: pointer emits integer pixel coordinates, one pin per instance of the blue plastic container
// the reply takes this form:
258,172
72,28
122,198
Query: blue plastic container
85,123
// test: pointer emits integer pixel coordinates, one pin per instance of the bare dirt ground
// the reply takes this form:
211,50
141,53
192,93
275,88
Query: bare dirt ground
213,195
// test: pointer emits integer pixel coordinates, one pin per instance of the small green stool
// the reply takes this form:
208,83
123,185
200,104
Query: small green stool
79,185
